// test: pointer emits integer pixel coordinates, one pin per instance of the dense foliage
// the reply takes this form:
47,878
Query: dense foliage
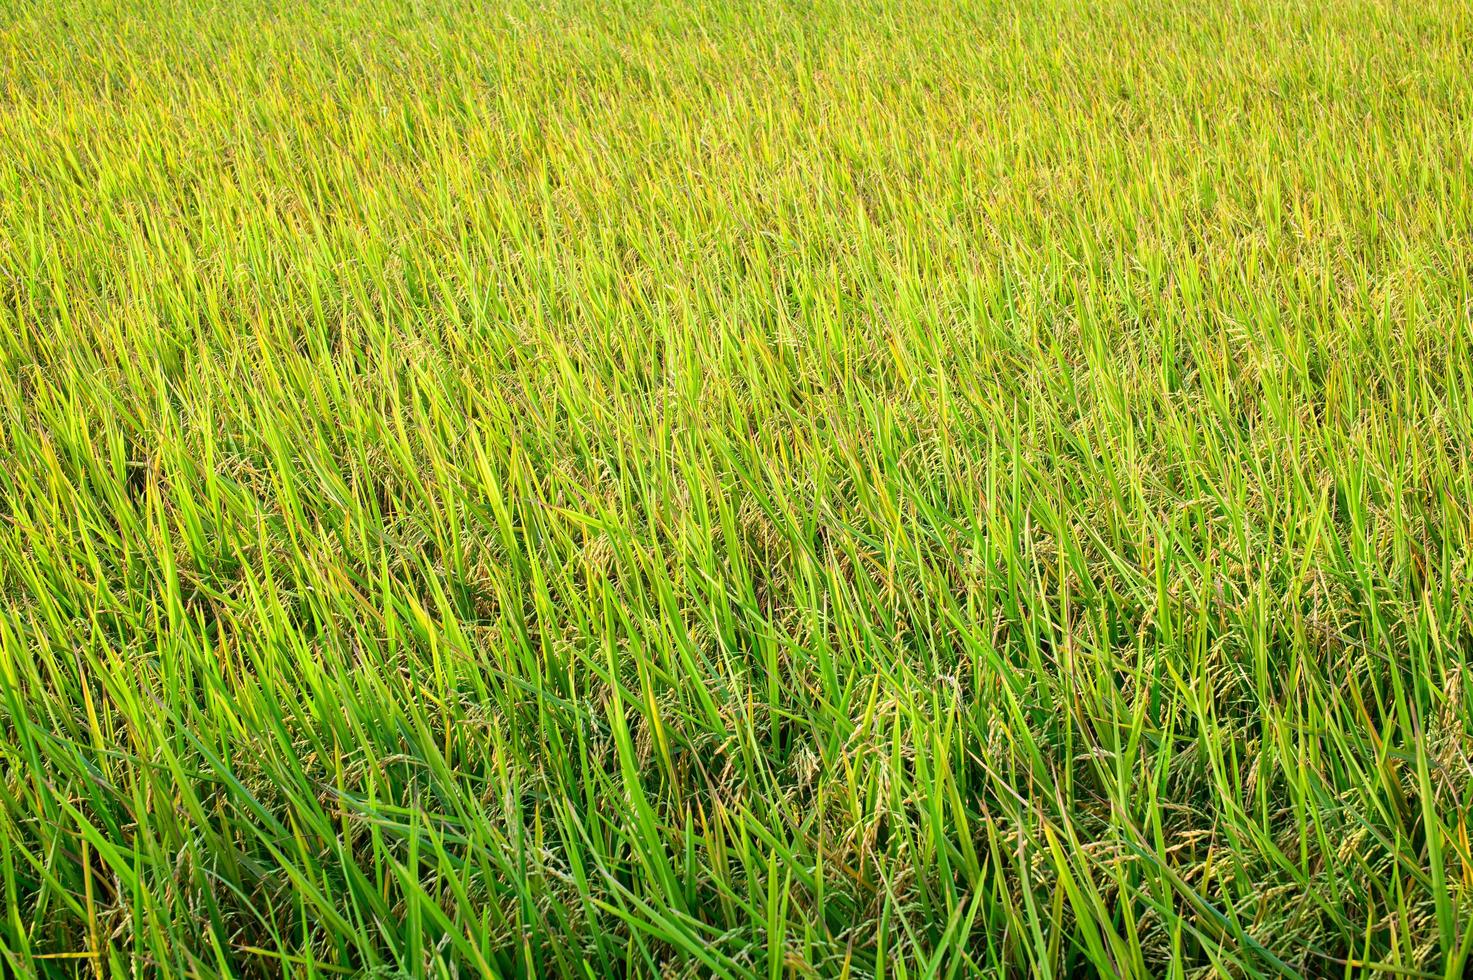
694,488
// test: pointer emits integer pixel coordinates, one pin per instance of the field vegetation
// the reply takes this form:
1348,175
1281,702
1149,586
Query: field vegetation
689,488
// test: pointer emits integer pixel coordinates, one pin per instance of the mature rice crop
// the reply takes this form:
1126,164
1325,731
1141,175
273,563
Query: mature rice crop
721,488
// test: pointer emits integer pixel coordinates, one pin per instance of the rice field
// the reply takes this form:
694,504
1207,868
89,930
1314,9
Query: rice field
736,488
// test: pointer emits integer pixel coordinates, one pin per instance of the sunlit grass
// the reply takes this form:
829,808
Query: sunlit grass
736,489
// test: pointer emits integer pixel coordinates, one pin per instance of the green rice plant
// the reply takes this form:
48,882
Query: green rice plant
793,489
